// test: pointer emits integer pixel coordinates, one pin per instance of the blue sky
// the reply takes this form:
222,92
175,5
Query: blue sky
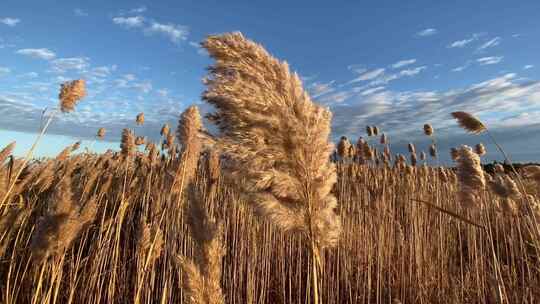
396,64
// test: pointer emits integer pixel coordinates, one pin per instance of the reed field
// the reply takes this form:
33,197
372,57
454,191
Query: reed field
266,211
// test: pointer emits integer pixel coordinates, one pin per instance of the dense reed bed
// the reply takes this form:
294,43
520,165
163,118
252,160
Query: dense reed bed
260,214
393,247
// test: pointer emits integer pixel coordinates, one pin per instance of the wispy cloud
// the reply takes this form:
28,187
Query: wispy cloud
405,112
371,91
318,89
79,12
368,75
174,32
528,66
10,21
463,67
62,65
489,60
412,72
138,10
29,75
41,53
491,43
403,63
356,68
129,22
427,32
4,71
464,42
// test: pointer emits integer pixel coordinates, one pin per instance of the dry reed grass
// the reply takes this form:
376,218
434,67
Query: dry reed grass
94,228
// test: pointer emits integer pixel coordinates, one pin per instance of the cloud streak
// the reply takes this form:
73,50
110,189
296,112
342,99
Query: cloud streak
489,60
427,32
10,21
42,53
403,63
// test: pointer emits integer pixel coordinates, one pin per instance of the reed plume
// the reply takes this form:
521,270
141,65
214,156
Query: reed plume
139,119
433,151
71,92
384,139
6,152
480,149
469,122
343,147
369,131
375,130
470,176
165,129
101,133
411,148
187,132
127,145
422,155
202,275
63,222
428,130
276,137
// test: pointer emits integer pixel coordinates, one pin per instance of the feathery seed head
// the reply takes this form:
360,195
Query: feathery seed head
384,139
71,92
101,133
428,130
480,149
165,130
274,135
139,119
469,122
411,148
470,175
369,130
127,145
433,151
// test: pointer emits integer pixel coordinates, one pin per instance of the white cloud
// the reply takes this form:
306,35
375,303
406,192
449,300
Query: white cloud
412,72
174,32
103,71
145,86
10,21
29,75
163,92
129,22
461,43
403,63
42,53
80,12
489,60
427,32
404,112
138,10
356,68
491,43
371,91
368,75
528,66
4,71
63,65
318,89
463,67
